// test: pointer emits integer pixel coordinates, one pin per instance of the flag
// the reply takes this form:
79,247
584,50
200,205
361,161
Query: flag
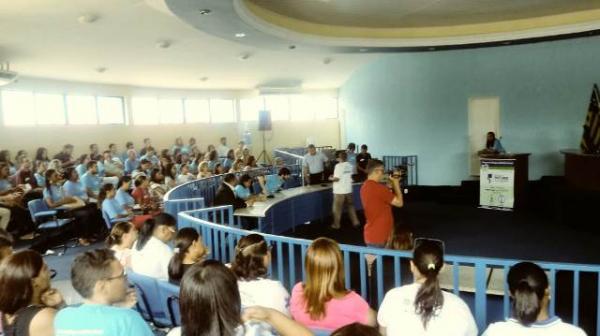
590,142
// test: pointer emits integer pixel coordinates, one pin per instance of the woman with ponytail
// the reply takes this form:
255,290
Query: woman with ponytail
189,249
250,265
530,293
152,254
422,308
322,301
120,240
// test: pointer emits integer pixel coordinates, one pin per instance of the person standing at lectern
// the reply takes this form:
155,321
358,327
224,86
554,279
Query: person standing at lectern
492,145
342,191
377,201
313,165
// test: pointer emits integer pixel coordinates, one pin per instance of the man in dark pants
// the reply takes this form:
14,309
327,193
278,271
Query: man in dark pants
313,166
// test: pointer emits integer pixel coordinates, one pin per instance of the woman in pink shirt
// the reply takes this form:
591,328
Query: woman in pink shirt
322,301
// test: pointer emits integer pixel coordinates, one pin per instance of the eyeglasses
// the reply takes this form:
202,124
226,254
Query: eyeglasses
123,275
421,241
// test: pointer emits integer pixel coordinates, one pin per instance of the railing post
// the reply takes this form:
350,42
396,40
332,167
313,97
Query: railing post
480,295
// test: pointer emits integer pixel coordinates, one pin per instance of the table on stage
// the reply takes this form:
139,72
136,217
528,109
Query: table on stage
292,207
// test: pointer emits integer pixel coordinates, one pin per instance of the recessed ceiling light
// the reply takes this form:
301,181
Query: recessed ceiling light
100,69
203,79
244,56
327,60
292,47
240,35
163,44
87,18
204,11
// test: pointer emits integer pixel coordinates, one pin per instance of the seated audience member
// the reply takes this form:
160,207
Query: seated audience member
111,167
131,163
178,146
125,154
91,181
211,148
82,164
356,329
66,156
102,282
243,190
120,241
226,194
158,188
250,163
218,169
141,194
151,156
169,172
88,220
189,250
229,160
25,175
530,294
5,159
246,153
123,197
6,185
27,302
41,155
237,167
111,207
362,159
275,182
73,187
145,168
4,216
401,239
203,170
492,145
222,148
251,265
211,288
152,254
40,170
184,174
56,166
213,159
239,150
6,244
95,153
189,148
115,155
322,301
21,155
147,143
422,308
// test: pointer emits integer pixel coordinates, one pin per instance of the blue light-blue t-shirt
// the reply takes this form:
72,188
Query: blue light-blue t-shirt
124,198
94,319
75,189
81,169
131,165
273,183
241,192
40,179
92,182
112,208
5,185
56,195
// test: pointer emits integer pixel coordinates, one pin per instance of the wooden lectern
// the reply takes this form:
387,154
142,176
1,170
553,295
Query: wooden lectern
582,171
521,168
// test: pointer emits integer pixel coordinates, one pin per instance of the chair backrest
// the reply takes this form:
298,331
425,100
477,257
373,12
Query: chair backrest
321,332
149,300
35,206
169,294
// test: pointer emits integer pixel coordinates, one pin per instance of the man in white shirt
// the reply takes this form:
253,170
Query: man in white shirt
222,148
342,191
313,165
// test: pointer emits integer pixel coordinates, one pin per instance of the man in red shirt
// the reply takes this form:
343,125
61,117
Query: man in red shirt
377,202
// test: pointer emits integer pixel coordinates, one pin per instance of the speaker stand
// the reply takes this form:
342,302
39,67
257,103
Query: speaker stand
263,154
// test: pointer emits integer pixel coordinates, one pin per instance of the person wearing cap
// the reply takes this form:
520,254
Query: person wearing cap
313,165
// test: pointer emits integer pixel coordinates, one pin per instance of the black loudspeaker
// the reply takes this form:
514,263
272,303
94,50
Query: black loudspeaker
264,120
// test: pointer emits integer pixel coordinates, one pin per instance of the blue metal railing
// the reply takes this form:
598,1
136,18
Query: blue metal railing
408,161
287,265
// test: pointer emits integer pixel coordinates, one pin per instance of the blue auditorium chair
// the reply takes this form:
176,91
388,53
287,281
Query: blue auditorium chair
169,294
149,300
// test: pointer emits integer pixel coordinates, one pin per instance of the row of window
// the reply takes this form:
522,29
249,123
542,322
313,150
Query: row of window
26,108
